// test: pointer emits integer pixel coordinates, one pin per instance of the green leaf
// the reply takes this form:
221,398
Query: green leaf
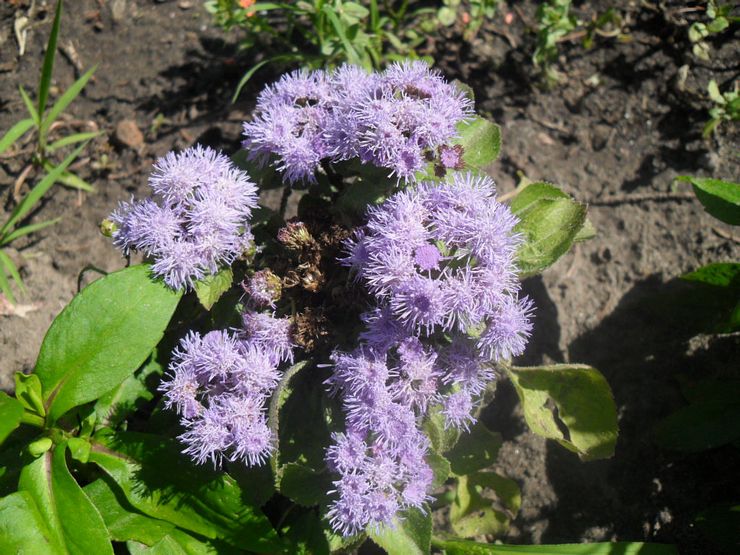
306,535
303,484
116,405
10,268
409,534
210,288
350,51
11,412
248,75
721,524
35,194
475,450
585,407
447,16
162,483
550,222
71,180
442,437
69,95
29,105
720,198
481,142
23,529
102,337
69,514
354,200
123,521
72,139
25,230
462,547
718,290
472,514
48,65
178,542
710,421
5,284
440,468
15,133
28,392
719,274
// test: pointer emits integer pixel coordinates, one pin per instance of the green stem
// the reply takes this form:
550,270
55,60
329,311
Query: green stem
33,419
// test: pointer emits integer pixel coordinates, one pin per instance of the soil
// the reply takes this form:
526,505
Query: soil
624,123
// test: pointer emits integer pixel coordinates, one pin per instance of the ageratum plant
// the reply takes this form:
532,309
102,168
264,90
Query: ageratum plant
270,385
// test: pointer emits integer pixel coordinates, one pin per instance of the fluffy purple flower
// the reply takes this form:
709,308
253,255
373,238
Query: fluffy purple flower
442,256
263,288
289,124
197,220
393,119
220,383
272,335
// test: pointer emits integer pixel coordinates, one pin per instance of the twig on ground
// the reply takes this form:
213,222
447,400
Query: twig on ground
640,197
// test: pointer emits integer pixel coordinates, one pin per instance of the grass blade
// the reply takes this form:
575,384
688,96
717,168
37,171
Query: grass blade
29,106
48,67
352,56
4,285
39,190
248,75
69,179
15,133
72,139
25,230
69,95
13,271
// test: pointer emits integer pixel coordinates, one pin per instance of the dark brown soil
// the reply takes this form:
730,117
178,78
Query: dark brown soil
615,134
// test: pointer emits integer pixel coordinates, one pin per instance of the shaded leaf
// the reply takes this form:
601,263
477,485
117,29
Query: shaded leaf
475,450
442,438
102,337
720,198
11,412
440,468
303,484
707,423
584,402
162,483
123,521
462,547
721,524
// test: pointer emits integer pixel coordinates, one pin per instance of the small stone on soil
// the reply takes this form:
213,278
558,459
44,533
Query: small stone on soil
128,134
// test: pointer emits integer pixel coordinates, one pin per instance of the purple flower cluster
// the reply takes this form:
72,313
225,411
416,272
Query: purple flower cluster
381,457
220,383
441,256
440,260
197,219
394,119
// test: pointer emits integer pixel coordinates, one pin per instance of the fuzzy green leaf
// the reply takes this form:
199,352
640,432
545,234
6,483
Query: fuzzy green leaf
210,288
481,142
585,407
102,337
550,222
409,535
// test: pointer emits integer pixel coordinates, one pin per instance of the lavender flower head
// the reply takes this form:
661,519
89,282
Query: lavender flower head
197,220
380,459
395,120
220,384
442,256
